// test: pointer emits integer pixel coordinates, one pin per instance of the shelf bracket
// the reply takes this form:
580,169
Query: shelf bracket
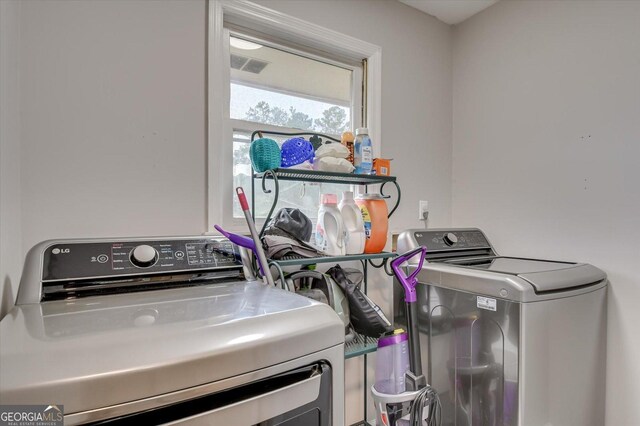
388,196
266,190
384,263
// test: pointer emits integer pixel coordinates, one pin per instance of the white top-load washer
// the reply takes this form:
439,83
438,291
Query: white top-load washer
508,341
167,330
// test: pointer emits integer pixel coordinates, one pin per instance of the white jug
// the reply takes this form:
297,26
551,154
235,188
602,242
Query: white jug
330,228
354,225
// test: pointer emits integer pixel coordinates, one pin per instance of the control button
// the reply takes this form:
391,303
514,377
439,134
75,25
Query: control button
179,255
450,238
504,292
103,258
144,256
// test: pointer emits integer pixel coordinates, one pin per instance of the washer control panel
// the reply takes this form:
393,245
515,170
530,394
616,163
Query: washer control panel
448,239
80,260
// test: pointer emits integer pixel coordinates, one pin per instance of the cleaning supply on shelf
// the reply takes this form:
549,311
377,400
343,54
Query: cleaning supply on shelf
347,139
264,154
355,237
392,362
330,228
382,166
376,221
296,151
363,152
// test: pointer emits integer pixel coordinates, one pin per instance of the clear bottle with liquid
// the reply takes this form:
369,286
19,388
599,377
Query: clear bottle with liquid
363,152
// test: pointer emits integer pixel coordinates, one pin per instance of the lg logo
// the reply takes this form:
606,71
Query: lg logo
58,251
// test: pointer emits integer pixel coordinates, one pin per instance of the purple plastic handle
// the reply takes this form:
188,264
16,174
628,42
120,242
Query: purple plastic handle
241,241
409,282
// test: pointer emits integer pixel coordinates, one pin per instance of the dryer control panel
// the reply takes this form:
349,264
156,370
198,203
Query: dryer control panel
82,260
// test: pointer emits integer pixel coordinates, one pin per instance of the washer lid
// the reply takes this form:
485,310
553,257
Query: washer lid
544,275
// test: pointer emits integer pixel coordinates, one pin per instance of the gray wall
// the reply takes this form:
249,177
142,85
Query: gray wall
103,133
113,118
546,145
10,223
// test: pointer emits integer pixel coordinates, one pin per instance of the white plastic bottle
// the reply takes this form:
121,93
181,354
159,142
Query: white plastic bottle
363,152
355,237
330,227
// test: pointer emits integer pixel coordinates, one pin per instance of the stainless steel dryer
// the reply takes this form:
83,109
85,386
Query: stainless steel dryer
509,341
154,331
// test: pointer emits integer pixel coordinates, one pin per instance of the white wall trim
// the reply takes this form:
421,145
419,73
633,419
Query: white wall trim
289,28
216,112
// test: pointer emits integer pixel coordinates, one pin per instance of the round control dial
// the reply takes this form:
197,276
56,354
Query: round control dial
450,238
144,256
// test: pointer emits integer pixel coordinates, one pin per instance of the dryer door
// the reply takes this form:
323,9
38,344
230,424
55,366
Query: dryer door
301,397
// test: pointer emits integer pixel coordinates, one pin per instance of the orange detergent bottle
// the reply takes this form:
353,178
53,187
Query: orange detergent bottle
376,223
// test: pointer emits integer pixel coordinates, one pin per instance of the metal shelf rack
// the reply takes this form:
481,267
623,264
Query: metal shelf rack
313,176
361,345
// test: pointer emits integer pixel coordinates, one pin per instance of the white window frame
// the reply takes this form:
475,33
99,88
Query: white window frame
284,27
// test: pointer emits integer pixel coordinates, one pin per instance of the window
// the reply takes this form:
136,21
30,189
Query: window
238,79
275,88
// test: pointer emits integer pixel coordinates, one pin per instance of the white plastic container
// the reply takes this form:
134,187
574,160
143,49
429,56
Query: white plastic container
392,362
355,236
330,227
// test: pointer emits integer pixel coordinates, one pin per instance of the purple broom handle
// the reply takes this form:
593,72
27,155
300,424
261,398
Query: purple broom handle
242,241
409,282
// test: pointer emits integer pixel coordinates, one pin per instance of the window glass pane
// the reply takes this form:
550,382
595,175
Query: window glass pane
241,167
280,109
274,87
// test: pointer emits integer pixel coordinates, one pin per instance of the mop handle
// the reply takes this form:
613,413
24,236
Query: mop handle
409,283
240,241
262,259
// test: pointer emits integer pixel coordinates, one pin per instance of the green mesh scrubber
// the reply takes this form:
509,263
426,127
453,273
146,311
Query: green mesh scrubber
265,154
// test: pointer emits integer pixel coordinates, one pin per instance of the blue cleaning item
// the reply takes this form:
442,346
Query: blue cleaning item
265,154
296,151
363,152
